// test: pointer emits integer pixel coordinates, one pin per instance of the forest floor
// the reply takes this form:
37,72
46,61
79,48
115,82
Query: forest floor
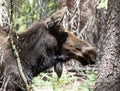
70,81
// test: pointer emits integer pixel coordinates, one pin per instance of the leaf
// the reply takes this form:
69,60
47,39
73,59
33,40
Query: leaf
91,77
84,87
31,2
103,4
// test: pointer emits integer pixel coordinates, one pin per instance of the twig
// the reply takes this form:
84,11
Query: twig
20,69
4,83
19,64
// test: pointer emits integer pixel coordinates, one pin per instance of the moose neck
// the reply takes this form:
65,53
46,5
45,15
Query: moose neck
36,49
27,40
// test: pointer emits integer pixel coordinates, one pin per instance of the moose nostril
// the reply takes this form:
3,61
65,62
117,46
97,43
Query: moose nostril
67,50
92,62
83,61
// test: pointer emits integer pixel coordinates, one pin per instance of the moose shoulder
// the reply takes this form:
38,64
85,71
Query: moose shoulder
41,46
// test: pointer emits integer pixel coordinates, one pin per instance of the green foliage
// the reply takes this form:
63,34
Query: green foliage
20,22
66,83
51,82
26,15
28,11
88,84
51,7
103,4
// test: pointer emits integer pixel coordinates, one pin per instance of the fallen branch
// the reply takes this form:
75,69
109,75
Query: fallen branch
28,87
10,38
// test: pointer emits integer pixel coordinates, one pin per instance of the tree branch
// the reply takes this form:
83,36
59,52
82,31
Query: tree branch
20,69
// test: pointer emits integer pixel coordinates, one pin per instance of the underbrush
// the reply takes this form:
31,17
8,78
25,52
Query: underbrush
67,82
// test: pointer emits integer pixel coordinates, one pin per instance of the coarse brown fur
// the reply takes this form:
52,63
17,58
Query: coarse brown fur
41,46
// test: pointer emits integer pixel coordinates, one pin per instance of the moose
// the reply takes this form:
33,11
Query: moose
43,45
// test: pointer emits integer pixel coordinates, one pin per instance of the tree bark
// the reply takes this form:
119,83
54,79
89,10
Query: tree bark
109,69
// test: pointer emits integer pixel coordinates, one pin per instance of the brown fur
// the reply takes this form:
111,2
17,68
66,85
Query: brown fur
43,45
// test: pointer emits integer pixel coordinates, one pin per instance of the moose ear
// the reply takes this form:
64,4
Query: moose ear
56,18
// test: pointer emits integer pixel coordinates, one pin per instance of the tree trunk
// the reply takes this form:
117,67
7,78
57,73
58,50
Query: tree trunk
109,69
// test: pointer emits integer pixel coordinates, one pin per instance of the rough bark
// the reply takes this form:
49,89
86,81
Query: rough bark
109,69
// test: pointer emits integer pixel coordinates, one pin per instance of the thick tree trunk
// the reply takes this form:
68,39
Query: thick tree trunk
109,69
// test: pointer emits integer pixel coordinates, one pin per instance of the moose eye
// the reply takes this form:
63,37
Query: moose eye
64,34
78,49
